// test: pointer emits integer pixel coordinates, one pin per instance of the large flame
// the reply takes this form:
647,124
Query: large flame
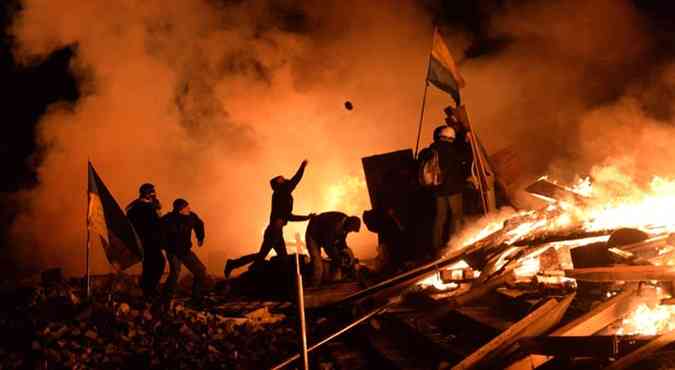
647,320
610,201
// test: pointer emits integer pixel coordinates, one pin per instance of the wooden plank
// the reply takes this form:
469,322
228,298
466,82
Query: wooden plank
623,273
508,337
477,291
604,346
544,324
551,319
593,321
644,351
548,190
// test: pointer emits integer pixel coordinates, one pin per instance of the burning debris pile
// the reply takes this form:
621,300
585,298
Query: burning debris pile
549,285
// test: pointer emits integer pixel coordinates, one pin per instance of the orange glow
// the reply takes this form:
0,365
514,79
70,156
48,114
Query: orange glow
647,320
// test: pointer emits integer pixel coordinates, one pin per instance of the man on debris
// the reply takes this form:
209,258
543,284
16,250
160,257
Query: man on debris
280,215
177,228
454,160
144,216
329,230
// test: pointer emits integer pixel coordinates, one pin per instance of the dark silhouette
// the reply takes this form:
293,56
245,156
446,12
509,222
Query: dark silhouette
144,216
177,228
328,230
280,215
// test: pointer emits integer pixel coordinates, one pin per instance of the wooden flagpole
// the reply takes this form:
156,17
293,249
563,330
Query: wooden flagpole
87,263
424,95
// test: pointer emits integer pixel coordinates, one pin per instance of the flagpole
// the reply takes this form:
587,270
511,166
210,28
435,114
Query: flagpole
424,96
87,267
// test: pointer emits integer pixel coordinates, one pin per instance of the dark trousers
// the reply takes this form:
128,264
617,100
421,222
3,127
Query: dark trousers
273,238
153,268
449,211
314,249
193,264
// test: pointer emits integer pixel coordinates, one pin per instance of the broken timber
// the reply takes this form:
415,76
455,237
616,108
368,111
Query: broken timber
540,320
649,348
623,273
593,321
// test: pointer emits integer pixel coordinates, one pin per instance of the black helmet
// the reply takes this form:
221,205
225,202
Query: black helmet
146,189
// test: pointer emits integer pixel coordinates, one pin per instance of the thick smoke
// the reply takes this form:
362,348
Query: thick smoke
210,99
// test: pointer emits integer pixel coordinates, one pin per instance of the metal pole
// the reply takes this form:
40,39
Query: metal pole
301,314
87,267
335,335
424,101
424,96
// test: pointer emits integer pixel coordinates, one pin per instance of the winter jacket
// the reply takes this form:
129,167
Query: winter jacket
282,200
455,162
144,216
328,229
177,232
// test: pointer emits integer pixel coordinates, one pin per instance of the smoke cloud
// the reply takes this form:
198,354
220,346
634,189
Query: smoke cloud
208,100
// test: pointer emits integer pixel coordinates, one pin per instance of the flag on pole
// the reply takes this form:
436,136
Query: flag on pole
106,220
443,72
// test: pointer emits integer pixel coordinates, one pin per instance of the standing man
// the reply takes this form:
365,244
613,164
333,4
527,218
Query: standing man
177,228
328,230
144,216
280,215
455,166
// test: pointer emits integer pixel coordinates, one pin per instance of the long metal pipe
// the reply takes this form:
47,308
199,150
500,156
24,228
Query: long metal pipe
351,325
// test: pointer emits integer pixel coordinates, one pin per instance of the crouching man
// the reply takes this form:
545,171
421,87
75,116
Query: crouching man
177,228
328,230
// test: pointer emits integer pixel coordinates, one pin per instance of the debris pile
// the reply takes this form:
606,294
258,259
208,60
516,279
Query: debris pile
55,330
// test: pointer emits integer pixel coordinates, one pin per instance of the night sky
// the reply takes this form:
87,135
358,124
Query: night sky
28,90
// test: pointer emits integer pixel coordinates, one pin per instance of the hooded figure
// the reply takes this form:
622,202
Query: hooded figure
144,216
177,228
280,214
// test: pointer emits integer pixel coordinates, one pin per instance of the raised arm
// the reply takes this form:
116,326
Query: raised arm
293,182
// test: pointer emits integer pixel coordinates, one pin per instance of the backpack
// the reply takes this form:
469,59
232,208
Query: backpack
430,169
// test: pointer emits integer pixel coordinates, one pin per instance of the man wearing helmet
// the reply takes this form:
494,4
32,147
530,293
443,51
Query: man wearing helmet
454,161
328,230
280,215
144,216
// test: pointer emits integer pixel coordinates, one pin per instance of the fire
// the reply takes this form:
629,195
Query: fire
528,267
348,195
436,281
649,321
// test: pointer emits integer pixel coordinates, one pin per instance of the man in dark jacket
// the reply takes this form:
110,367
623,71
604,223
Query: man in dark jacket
328,230
455,164
280,215
177,228
144,216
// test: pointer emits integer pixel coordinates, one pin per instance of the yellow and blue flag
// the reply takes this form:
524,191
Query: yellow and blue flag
443,72
106,220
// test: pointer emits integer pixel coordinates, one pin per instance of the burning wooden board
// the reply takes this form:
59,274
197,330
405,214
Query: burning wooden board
623,273
550,191
592,322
